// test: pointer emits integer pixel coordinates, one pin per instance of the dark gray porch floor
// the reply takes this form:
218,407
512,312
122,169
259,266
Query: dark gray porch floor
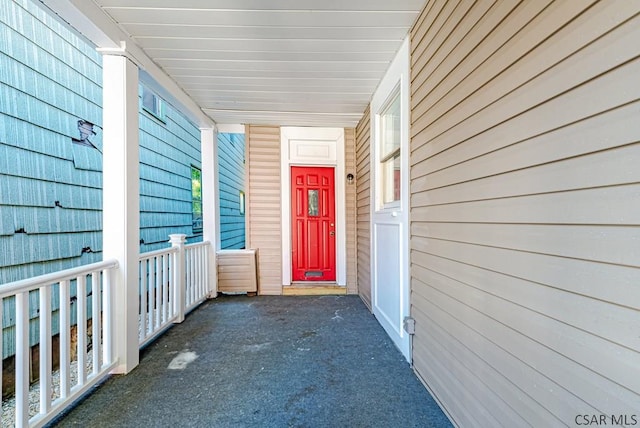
267,362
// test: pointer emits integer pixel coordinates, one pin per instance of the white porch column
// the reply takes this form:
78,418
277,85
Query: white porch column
210,204
121,201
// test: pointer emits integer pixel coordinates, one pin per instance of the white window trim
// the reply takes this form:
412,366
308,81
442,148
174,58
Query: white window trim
395,81
395,92
398,212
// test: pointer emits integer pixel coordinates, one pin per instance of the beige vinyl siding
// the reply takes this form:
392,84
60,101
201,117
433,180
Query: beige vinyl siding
363,207
263,205
237,271
525,209
350,195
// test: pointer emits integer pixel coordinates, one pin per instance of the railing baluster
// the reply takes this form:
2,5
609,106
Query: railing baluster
1,347
81,329
95,321
194,276
45,349
192,265
204,272
207,286
187,276
203,280
165,287
22,364
198,273
143,300
158,288
65,339
107,310
151,295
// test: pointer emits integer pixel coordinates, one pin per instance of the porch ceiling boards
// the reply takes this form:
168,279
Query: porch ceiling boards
278,62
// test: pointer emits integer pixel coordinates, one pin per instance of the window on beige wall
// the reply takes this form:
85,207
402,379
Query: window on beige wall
390,165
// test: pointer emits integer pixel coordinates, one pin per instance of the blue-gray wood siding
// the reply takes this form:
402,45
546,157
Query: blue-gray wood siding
231,183
51,188
168,150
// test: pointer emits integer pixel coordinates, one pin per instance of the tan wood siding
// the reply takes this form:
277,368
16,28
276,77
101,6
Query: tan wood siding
263,205
350,208
525,263
363,207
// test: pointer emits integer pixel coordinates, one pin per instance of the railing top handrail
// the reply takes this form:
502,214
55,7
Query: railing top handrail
169,250
198,244
160,252
54,277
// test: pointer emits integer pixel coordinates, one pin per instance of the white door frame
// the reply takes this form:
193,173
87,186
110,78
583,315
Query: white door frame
313,147
394,215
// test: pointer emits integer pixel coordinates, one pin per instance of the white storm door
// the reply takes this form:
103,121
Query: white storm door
390,193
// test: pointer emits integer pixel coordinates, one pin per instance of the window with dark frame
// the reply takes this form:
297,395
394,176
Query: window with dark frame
196,199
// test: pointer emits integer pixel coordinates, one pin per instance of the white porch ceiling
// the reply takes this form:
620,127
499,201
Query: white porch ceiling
280,62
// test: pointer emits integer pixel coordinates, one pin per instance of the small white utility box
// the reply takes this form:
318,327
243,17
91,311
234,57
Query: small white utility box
237,271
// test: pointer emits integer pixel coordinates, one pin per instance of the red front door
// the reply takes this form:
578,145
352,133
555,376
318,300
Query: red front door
313,219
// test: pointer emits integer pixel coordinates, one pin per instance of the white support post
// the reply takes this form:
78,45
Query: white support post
121,196
210,204
179,288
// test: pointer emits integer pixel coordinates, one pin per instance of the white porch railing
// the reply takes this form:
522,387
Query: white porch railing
93,291
171,283
156,308
197,273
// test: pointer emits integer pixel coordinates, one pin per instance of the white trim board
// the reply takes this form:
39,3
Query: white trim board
397,78
230,128
302,146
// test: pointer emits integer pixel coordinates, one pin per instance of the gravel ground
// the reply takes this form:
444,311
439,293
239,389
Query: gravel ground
9,405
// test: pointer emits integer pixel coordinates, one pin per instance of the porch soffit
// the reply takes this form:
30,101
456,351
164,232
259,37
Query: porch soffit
278,62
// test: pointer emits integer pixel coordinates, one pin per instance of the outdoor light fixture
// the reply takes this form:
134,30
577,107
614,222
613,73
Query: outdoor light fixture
350,178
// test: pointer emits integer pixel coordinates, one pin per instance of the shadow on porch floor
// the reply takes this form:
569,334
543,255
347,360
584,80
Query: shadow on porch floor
316,361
